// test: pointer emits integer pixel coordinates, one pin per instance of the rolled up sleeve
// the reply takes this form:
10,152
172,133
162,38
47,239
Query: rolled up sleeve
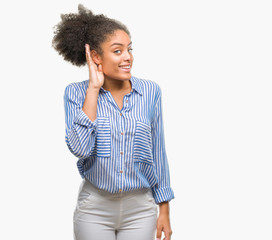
162,191
80,131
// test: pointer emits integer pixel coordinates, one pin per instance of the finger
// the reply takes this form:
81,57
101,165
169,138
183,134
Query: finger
88,54
100,68
159,233
167,235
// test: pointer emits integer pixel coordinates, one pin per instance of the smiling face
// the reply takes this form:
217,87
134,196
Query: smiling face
117,57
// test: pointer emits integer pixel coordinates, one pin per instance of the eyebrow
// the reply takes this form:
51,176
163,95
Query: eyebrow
120,44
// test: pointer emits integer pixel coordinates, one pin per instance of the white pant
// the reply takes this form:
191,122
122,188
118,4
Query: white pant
100,215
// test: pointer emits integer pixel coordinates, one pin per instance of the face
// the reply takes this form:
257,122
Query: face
117,56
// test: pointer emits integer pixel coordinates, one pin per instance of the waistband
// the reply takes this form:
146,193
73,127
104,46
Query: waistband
92,189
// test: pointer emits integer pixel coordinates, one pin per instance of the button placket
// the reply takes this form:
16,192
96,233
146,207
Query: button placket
121,154
126,102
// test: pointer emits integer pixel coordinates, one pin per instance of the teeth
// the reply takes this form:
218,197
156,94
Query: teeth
125,66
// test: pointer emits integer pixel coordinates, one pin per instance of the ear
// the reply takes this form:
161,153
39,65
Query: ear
96,57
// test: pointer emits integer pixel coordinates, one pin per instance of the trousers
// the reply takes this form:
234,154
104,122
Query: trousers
100,215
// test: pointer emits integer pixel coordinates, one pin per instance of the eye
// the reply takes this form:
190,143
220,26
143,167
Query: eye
130,50
117,51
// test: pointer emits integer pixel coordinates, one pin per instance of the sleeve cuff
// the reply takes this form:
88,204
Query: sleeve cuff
164,194
83,119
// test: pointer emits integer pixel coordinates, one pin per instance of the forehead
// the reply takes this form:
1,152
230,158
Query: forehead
119,36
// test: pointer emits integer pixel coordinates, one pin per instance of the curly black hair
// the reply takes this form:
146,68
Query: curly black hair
77,29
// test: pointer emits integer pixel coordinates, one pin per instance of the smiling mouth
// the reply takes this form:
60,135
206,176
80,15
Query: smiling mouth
126,67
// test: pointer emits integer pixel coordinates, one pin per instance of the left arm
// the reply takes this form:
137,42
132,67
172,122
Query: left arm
162,191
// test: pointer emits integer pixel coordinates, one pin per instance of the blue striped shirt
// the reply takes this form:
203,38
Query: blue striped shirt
121,150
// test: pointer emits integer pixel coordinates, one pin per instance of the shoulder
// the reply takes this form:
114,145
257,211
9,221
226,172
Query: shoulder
76,88
148,86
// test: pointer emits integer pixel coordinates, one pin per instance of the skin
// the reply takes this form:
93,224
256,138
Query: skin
105,71
117,52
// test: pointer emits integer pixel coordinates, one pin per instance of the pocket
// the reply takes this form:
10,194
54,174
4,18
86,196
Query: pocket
150,197
103,137
150,201
143,156
83,198
85,203
143,143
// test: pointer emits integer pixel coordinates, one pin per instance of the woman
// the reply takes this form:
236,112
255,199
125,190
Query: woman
114,126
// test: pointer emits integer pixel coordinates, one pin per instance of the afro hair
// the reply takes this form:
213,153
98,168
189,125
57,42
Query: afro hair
76,29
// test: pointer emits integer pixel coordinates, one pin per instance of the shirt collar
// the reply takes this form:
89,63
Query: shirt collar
135,84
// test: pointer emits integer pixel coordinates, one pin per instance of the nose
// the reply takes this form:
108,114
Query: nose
127,56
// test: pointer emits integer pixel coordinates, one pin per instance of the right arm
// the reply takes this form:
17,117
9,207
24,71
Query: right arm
79,128
80,124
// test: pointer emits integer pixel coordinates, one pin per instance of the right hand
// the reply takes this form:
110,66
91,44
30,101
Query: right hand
96,75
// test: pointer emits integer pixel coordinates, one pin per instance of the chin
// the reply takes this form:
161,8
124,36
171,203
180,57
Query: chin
129,76
123,76
120,77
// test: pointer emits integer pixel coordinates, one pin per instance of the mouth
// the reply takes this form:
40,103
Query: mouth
125,68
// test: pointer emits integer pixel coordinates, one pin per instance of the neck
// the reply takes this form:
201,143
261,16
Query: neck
113,85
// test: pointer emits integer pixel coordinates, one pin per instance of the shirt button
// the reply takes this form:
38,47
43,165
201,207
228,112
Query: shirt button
120,190
121,171
121,114
122,133
126,101
121,153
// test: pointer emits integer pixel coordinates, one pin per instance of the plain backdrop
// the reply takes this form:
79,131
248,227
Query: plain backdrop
212,60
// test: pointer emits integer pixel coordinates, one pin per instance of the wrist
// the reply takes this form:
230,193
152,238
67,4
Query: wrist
93,89
164,208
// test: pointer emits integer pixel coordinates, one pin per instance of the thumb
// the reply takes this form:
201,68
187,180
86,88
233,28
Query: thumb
99,68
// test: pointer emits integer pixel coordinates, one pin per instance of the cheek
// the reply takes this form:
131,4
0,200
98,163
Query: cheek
110,66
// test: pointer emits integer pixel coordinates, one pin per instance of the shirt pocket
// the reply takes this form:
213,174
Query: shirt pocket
143,143
103,137
143,157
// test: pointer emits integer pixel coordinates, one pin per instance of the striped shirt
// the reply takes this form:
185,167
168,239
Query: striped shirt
121,150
